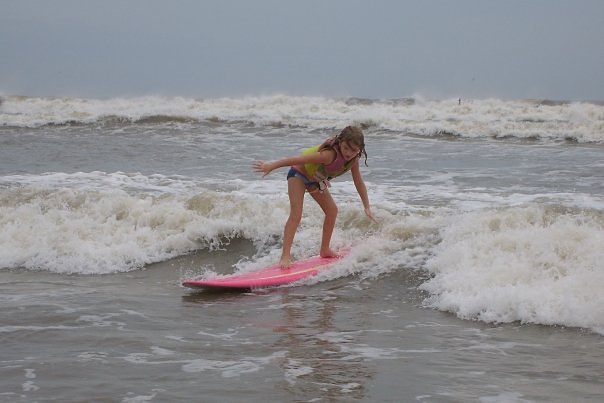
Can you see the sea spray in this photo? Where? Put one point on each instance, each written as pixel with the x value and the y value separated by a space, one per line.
pixel 534 264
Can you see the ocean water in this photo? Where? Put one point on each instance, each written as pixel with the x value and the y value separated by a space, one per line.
pixel 482 280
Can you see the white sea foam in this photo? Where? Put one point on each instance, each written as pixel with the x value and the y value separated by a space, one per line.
pixel 98 223
pixel 524 119
pixel 531 264
pixel 495 257
pixel 95 228
pixel 132 398
pixel 295 369
pixel 231 369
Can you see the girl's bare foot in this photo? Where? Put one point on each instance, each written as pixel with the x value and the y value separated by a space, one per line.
pixel 285 262
pixel 328 253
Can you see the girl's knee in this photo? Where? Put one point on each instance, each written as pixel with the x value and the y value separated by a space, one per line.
pixel 331 211
pixel 295 217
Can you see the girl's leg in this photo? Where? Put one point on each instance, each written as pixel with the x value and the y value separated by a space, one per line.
pixel 295 190
pixel 330 209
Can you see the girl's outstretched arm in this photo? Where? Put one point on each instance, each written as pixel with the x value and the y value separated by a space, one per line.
pixel 359 183
pixel 322 157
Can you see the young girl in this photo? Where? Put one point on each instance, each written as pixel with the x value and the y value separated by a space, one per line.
pixel 312 172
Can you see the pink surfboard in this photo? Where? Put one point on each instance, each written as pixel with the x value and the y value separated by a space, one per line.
pixel 271 276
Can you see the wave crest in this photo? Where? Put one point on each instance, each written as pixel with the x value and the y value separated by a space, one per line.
pixel 530 264
pixel 580 122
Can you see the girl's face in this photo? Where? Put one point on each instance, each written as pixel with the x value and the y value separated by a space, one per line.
pixel 349 150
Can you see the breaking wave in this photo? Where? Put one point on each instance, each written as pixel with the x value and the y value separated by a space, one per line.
pixel 546 120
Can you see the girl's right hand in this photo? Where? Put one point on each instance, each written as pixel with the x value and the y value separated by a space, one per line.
pixel 370 215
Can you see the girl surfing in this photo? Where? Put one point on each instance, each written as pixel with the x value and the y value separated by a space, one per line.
pixel 311 172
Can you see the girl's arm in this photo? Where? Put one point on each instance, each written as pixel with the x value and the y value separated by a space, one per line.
pixel 359 183
pixel 321 157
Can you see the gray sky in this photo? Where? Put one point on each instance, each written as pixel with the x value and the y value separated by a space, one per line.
pixel 378 49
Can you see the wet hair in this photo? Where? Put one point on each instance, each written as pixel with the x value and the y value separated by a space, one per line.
pixel 353 135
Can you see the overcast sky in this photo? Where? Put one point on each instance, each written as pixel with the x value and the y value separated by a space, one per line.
pixel 378 49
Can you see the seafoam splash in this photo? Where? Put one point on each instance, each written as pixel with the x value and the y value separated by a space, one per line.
pixel 99 223
pixel 78 224
pixel 507 258
pixel 487 118
pixel 530 264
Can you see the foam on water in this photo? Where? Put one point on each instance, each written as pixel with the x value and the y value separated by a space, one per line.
pixel 498 257
pixel 487 118
pixel 96 228
pixel 531 264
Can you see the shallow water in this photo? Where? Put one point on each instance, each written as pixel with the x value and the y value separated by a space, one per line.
pixel 139 336
pixel 482 281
